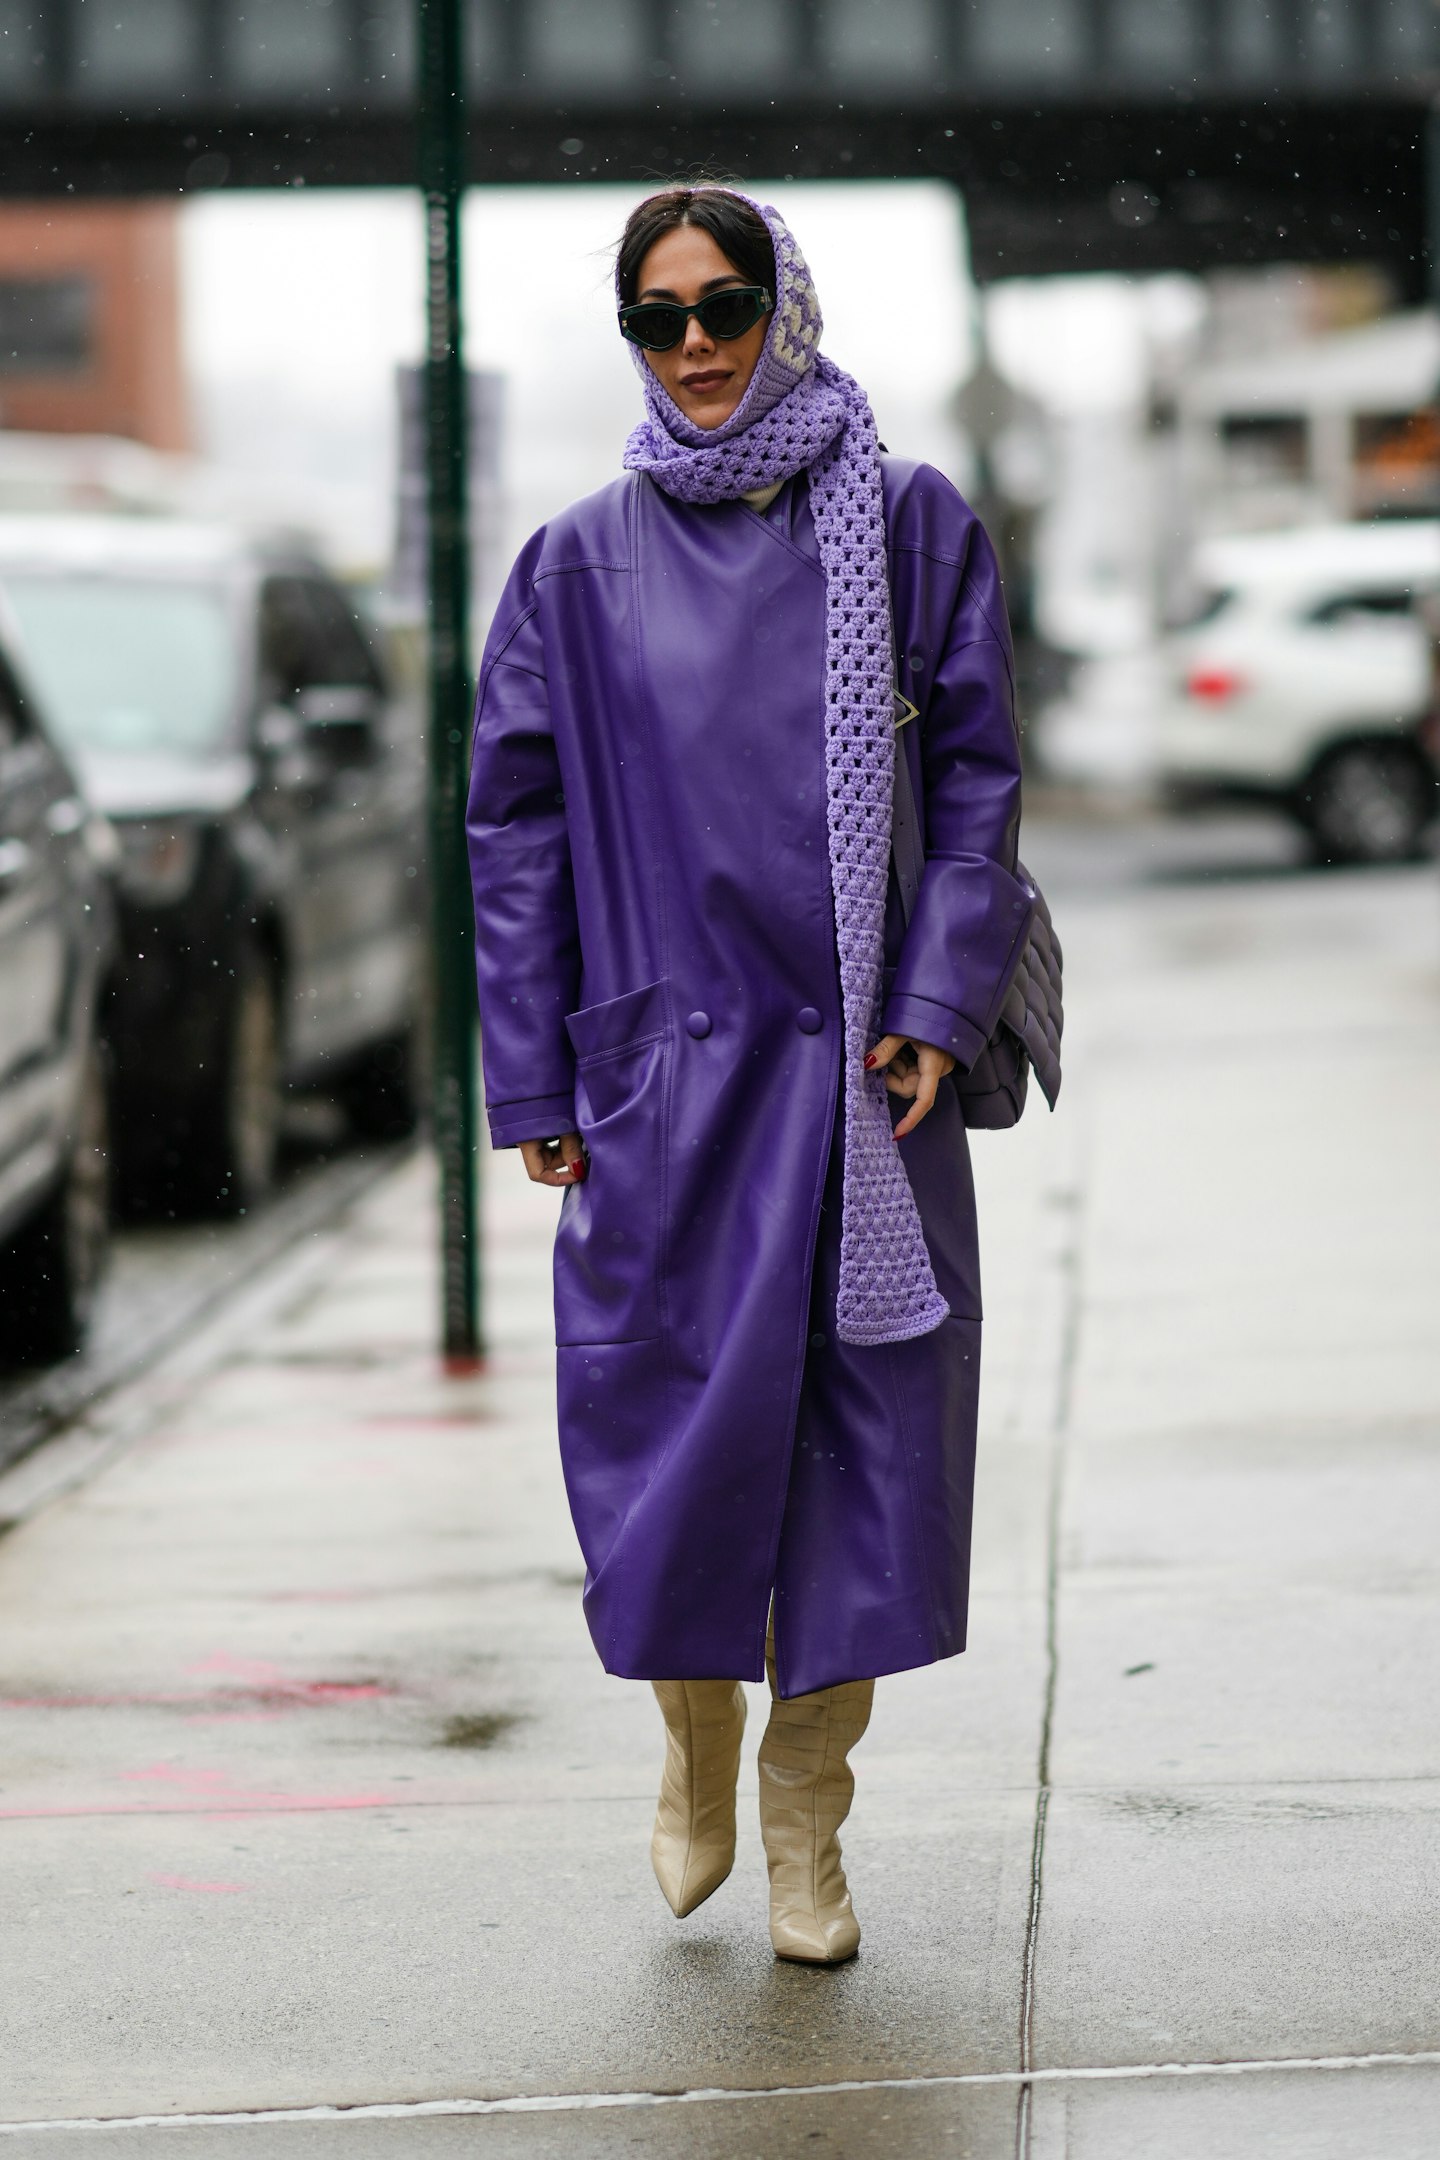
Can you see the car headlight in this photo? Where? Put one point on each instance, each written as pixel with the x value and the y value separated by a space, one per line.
pixel 157 860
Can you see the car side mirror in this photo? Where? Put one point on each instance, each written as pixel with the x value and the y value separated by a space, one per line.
pixel 340 719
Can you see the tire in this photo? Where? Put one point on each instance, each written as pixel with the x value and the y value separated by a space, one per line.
pixel 51 1275
pixel 381 1094
pixel 236 1120
pixel 1368 802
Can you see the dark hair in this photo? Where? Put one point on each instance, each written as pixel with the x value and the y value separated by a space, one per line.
pixel 735 226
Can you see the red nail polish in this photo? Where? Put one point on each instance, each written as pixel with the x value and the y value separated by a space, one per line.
pixel 577 1172
pixel 869 1061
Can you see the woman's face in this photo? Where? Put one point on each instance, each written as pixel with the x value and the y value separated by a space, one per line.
pixel 706 377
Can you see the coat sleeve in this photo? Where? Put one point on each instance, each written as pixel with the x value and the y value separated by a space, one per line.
pixel 972 915
pixel 527 947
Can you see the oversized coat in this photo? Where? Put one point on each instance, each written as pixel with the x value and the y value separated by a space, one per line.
pixel 657 970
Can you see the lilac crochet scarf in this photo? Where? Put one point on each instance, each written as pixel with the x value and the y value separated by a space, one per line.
pixel 802 413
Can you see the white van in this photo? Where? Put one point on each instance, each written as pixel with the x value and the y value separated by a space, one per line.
pixel 1304 677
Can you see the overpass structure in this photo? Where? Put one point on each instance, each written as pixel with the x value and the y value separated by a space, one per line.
pixel 1084 134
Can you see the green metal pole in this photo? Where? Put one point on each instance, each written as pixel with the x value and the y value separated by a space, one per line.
pixel 442 177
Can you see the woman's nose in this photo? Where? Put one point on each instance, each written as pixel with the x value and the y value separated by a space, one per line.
pixel 696 342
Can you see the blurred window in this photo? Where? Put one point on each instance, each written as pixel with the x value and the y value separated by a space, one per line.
pixel 1252 41
pixel 1331 43
pixel 292 50
pixel 880 46
pixel 587 44
pixel 1153 40
pixel 46 324
pixel 721 43
pixel 1378 600
pixel 1024 40
pixel 309 638
pixel 134 47
pixel 129 664
pixel 1262 447
pixel 22 50
pixel 484 40
pixel 384 50
pixel 1408 31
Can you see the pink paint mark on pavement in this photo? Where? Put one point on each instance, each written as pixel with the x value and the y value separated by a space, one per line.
pixel 264 1692
pixel 213 1792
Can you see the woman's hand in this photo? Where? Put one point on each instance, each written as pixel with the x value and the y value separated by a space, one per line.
pixel 555 1162
pixel 914 1069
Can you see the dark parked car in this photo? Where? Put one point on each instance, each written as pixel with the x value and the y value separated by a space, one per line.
pixel 56 946
pixel 232 718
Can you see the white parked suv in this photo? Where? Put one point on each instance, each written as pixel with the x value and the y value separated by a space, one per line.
pixel 1304 677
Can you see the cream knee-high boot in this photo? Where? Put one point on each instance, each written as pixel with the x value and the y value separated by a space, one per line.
pixel 806 1786
pixel 693 1848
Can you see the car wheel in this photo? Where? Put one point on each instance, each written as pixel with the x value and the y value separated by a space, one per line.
pixel 382 1093
pixel 1368 803
pixel 237 1120
pixel 49 1278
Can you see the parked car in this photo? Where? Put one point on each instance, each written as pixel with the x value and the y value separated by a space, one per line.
pixel 231 717
pixel 1303 679
pixel 56 949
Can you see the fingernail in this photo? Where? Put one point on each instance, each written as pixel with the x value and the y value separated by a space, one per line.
pixel 869 1061
pixel 577 1172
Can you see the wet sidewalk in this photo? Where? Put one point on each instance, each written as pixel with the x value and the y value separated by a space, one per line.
pixel 314 1798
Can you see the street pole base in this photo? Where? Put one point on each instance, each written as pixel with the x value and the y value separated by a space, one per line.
pixel 462 1364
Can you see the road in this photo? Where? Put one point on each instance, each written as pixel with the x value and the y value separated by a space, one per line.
pixel 324 1835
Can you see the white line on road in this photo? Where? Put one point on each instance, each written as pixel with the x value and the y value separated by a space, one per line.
pixel 576 2103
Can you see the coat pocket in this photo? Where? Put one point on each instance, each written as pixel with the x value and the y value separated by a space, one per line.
pixel 608 1243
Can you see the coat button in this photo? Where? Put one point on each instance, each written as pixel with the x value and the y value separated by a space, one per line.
pixel 809 1021
pixel 698 1025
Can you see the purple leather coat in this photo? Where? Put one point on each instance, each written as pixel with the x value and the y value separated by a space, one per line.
pixel 657 970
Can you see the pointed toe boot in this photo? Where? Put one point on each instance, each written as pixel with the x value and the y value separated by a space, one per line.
pixel 806 1786
pixel 693 1848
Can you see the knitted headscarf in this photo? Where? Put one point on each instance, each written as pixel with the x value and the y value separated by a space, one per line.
pixel 801 413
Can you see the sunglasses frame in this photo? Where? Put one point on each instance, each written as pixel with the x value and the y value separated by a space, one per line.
pixel 760 293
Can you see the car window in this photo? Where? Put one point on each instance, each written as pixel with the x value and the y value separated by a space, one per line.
pixel 133 665
pixel 346 654
pixel 13 721
pixel 1204 608
pixel 308 636
pixel 1375 600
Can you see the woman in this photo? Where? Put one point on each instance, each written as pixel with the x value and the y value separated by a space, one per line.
pixel 705 1018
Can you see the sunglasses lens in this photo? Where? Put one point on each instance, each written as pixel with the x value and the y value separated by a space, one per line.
pixel 656 327
pixel 729 314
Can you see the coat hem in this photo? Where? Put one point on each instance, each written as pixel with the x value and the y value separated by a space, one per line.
pixel 841 1677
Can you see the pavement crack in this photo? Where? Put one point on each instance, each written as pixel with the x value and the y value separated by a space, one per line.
pixel 1072 1209
pixel 567 2103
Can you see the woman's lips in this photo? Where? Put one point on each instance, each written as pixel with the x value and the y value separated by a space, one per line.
pixel 706 381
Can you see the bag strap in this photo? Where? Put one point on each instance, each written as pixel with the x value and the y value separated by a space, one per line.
pixel 905 843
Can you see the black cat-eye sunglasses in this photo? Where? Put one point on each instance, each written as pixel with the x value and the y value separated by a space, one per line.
pixel 659 325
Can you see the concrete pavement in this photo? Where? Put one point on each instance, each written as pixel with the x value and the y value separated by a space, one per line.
pixel 312 1795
